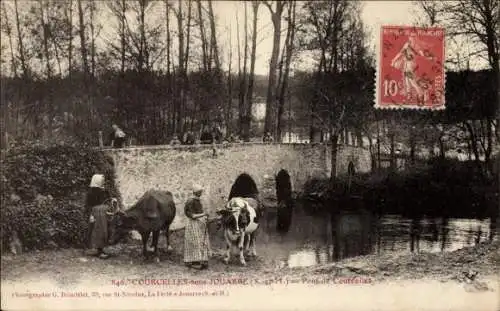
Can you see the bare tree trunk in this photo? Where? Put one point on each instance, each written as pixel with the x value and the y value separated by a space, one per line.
pixel 181 62
pixel 241 78
pixel 86 69
pixel 214 57
pixel 333 159
pixel 229 116
pixel 214 47
pixel 273 66
pixel 123 39
pixel 45 26
pixel 378 144
pixel 168 107
pixel 142 61
pixel 56 47
pixel 413 144
pixel 248 113
pixel 286 59
pixel 20 40
pixel 244 117
pixel 47 66
pixel 70 39
pixel 206 66
pixel 188 35
pixel 169 43
pixel 83 41
pixel 92 40
pixel 186 66
pixel 393 147
pixel 8 31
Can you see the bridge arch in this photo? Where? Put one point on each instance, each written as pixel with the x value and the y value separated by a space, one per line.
pixel 175 168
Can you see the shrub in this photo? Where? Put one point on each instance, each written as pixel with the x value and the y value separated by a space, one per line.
pixel 43 192
pixel 444 188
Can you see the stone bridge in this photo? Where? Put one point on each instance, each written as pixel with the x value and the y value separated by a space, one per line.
pixel 176 168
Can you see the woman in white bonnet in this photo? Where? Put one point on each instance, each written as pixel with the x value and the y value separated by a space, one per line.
pixel 196 239
pixel 95 212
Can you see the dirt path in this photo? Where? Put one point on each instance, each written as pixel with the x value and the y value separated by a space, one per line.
pixel 388 282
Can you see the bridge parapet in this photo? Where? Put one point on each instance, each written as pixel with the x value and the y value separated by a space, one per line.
pixel 176 168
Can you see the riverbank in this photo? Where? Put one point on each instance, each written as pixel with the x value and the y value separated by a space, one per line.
pixel 71 266
pixel 469 271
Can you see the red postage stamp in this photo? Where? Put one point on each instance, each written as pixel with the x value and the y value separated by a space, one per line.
pixel 410 68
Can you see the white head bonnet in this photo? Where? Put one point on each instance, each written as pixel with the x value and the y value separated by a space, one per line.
pixel 197 188
pixel 97 181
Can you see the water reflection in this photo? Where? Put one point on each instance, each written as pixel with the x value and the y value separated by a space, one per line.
pixel 320 239
pixel 310 257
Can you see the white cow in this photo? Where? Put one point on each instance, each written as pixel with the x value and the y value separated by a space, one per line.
pixel 240 220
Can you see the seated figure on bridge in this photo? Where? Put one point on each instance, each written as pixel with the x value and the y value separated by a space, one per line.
pixel 175 141
pixel 268 138
pixel 117 137
pixel 189 138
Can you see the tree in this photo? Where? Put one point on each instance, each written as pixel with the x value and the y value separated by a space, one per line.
pixel 69 18
pixel 83 42
pixel 334 91
pixel 244 117
pixel 476 20
pixel 119 9
pixel 20 45
pixel 214 49
pixel 284 67
pixel 276 15
pixel 7 27
pixel 251 76
pixel 229 105
pixel 217 71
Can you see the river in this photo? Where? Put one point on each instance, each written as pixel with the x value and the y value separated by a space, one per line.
pixel 314 240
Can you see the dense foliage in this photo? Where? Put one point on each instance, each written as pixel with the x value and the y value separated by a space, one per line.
pixel 43 193
pixel 443 188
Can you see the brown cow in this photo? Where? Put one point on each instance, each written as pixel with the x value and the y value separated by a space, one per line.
pixel 154 211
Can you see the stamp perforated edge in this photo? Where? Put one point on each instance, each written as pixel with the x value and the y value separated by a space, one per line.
pixel 378 65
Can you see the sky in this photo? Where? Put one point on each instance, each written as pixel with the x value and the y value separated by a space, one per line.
pixel 231 13
pixel 374 14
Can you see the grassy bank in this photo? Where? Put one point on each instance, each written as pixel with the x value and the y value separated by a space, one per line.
pixel 71 266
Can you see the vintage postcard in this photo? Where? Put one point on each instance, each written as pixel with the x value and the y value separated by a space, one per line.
pixel 411 68
pixel 228 155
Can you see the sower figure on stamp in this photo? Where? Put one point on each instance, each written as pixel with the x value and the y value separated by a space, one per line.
pixel 96 213
pixel 406 62
pixel 196 238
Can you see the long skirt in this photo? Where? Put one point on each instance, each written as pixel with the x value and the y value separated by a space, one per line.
pixel 99 235
pixel 196 241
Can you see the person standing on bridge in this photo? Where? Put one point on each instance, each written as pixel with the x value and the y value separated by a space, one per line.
pixel 196 238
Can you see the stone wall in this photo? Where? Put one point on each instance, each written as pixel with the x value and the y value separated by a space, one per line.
pixel 176 168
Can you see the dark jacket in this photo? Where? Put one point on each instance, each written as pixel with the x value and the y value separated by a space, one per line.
pixel 95 196
pixel 206 138
pixel 189 139
pixel 193 206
